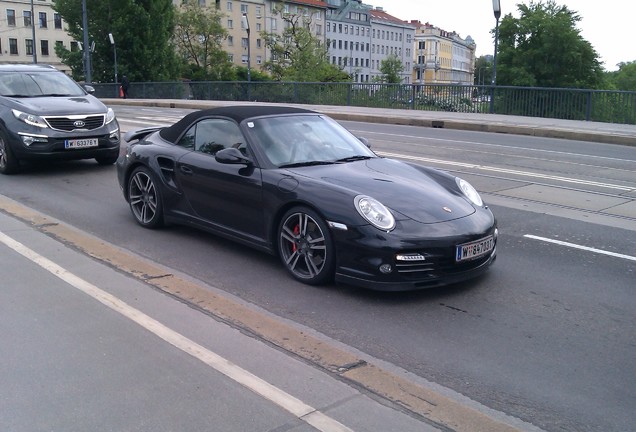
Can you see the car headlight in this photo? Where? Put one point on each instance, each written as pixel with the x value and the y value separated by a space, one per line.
pixel 469 191
pixel 110 115
pixel 30 119
pixel 375 212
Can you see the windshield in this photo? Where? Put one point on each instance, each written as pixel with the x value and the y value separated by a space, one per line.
pixel 299 140
pixel 38 84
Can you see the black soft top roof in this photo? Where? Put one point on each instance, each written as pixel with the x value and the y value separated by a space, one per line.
pixel 238 113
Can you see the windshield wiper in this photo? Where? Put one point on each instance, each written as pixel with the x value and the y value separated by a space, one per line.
pixel 308 163
pixel 354 158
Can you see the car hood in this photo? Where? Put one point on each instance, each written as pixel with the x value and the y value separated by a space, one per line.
pixel 58 105
pixel 422 194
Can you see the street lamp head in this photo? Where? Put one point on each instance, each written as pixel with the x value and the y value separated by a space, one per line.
pixel 496 7
pixel 245 22
pixel 111 38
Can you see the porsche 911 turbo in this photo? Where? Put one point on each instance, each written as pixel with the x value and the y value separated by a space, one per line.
pixel 295 183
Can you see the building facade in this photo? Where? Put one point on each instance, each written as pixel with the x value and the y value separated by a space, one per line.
pixel 442 57
pixel 18 26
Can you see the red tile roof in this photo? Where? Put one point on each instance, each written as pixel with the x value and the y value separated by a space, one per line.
pixel 383 16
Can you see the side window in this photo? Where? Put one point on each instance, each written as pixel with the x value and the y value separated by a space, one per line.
pixel 187 140
pixel 213 135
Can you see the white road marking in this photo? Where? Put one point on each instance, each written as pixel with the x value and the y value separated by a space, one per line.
pixel 259 386
pixel 509 171
pixel 585 248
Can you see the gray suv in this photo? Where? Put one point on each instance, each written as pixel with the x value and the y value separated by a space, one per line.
pixel 44 114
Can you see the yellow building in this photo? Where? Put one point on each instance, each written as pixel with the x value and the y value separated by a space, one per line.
pixel 441 57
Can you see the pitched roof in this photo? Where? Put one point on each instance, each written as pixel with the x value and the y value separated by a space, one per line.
pixel 380 15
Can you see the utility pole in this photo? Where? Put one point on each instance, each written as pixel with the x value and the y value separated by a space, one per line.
pixel 35 55
pixel 87 48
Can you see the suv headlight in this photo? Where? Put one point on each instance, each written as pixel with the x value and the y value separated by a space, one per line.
pixel 30 119
pixel 469 191
pixel 110 115
pixel 375 212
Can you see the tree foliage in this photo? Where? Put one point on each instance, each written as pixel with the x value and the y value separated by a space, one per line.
pixel 391 68
pixel 544 48
pixel 198 39
pixel 142 30
pixel 625 77
pixel 483 70
pixel 298 55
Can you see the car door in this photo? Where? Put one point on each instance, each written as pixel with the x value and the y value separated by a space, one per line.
pixel 227 196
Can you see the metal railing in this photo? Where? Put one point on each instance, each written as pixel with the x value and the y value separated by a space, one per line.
pixel 572 104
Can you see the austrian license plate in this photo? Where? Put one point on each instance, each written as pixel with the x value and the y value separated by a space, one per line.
pixel 81 143
pixel 474 249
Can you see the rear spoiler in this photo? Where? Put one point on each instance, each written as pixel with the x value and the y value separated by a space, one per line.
pixel 140 133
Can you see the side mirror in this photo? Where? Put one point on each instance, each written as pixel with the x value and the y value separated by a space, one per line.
pixel 90 89
pixel 364 141
pixel 232 155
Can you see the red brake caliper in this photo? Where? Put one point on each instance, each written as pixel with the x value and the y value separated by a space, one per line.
pixel 296 232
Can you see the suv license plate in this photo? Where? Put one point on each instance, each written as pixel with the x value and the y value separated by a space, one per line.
pixel 474 249
pixel 81 143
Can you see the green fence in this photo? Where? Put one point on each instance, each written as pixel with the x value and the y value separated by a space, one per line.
pixel 571 104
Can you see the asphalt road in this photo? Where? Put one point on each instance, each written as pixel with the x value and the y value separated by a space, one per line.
pixel 547 335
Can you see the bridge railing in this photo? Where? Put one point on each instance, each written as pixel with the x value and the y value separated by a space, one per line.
pixel 561 103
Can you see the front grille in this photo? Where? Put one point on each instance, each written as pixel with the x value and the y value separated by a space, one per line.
pixel 69 124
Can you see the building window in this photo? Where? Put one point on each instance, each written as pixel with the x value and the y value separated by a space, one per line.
pixel 44 47
pixel 57 19
pixel 29 46
pixel 259 59
pixel 259 43
pixel 229 6
pixel 259 27
pixel 13 46
pixel 244 8
pixel 11 17
pixel 230 40
pixel 59 43
pixel 244 59
pixel 74 46
pixel 230 24
pixel 43 23
pixel 27 18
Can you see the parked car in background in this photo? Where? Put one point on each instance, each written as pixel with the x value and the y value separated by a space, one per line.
pixel 44 114
pixel 295 183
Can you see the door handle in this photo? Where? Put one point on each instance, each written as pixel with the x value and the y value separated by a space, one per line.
pixel 186 170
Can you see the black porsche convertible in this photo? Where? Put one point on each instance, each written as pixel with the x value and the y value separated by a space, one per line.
pixel 295 183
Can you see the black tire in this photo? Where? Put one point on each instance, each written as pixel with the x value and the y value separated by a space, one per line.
pixel 144 198
pixel 305 246
pixel 107 160
pixel 9 164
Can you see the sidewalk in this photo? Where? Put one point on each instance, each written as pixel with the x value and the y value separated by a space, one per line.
pixel 609 133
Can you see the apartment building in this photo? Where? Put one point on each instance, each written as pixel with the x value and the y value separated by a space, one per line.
pixel 30 35
pixel 391 35
pixel 349 38
pixel 442 57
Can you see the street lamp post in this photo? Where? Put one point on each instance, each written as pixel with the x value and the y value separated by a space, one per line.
pixel 246 25
pixel 112 42
pixel 35 56
pixel 87 51
pixel 496 7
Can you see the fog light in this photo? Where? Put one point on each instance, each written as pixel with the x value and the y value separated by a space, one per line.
pixel 30 139
pixel 496 233
pixel 386 268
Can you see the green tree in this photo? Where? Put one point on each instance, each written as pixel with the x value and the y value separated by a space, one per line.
pixel 625 77
pixel 198 39
pixel 543 48
pixel 391 68
pixel 483 70
pixel 297 55
pixel 142 30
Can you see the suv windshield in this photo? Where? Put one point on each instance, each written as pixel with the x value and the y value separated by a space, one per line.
pixel 37 84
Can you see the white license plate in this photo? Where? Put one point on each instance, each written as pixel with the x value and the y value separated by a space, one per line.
pixel 81 143
pixel 475 249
